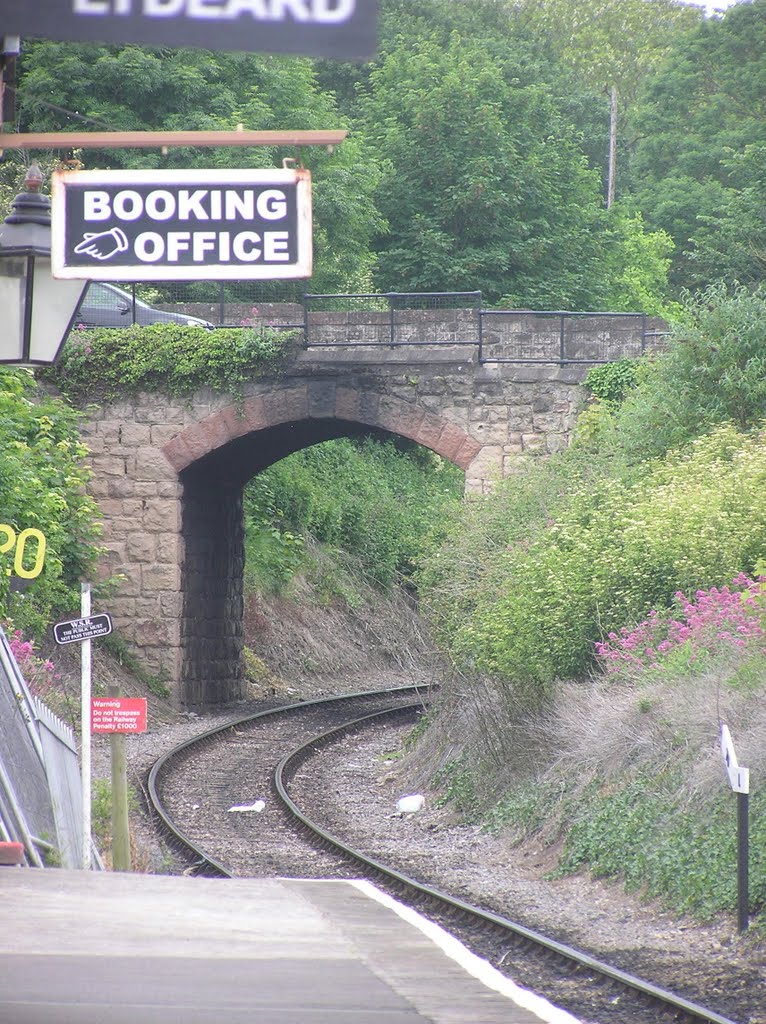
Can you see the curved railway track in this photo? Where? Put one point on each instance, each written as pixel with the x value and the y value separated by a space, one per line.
pixel 222 753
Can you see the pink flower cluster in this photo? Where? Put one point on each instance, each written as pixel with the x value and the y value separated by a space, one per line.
pixel 38 673
pixel 711 619
pixel 250 321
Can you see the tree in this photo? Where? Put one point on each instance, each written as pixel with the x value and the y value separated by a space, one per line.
pixel 139 88
pixel 614 44
pixel 697 170
pixel 485 186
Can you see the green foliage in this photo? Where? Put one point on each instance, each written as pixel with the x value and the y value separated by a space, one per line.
pixel 712 372
pixel 456 780
pixel 612 381
pixel 614 550
pixel 173 359
pixel 369 498
pixel 140 88
pixel 42 482
pixel 272 556
pixel 699 115
pixel 635 264
pixel 485 186
pixel 611 42
pixel 685 856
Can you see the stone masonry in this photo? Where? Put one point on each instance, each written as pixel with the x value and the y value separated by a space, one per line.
pixel 168 476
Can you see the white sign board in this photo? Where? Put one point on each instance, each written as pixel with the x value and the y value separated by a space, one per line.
pixel 182 225
pixel 739 778
pixel 316 28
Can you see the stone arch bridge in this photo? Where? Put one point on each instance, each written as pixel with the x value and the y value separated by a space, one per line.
pixel 168 474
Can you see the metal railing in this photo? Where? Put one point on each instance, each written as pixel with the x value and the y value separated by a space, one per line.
pixel 392 319
pixel 557 336
pixel 395 319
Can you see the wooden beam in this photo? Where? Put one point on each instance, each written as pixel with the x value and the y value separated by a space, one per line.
pixel 163 140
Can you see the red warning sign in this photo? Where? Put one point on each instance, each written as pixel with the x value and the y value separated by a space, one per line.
pixel 118 714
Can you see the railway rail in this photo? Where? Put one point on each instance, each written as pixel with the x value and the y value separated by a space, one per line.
pixel 337 718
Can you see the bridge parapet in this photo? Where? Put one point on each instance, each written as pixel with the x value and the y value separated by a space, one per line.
pixel 458 319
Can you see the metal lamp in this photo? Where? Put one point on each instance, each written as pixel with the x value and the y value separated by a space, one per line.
pixel 36 311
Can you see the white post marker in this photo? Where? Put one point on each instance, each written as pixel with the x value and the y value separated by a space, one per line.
pixel 739 778
pixel 85 681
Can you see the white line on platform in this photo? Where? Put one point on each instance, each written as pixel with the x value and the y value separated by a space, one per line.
pixel 480 969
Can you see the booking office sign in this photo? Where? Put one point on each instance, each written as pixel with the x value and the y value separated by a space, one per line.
pixel 182 225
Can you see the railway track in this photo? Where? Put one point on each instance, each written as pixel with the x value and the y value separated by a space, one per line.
pixel 205 773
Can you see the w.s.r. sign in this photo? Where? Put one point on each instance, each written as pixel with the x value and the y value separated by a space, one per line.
pixel 181 225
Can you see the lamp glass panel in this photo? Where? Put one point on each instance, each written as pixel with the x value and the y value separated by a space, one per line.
pixel 12 287
pixel 53 307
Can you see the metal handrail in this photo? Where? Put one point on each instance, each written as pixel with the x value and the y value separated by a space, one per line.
pixel 386 329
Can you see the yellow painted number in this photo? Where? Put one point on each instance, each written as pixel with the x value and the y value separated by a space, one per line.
pixel 21 543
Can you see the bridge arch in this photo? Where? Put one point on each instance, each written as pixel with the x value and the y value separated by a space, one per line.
pixel 215 458
pixel 168 475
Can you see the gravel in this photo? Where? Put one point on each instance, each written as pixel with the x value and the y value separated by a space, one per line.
pixel 352 788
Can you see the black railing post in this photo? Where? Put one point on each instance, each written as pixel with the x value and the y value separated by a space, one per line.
pixel 743 858
pixel 643 334
pixel 221 304
pixel 481 333
pixel 392 323
pixel 133 302
pixel 562 339
pixel 305 320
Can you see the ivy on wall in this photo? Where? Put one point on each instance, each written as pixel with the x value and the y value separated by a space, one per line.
pixel 105 364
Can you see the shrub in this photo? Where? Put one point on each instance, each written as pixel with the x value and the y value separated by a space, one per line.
pixel 374 499
pixel 612 381
pixel 609 552
pixel 173 359
pixel 711 620
pixel 714 371
pixel 42 486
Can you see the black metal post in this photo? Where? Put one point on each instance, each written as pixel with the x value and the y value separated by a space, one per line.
pixel 305 320
pixel 562 339
pixel 133 300
pixel 221 304
pixel 743 859
pixel 643 334
pixel 392 324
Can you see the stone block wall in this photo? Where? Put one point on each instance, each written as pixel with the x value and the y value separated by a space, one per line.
pixel 168 477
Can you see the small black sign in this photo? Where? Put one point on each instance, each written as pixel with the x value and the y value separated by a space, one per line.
pixel 182 225
pixel 315 28
pixel 76 630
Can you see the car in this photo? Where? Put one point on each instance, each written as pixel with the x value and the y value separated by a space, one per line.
pixel 106 305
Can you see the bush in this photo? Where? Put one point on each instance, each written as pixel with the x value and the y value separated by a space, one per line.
pixel 714 371
pixel 612 381
pixel 42 483
pixel 376 500
pixel 608 552
pixel 172 359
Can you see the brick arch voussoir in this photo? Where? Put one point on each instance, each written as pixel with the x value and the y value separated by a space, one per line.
pixel 407 420
pixel 281 405
pixel 321 399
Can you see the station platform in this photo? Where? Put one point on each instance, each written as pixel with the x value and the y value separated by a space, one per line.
pixel 91 947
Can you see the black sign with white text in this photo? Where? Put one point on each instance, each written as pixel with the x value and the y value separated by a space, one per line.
pixel 181 225
pixel 316 28
pixel 76 630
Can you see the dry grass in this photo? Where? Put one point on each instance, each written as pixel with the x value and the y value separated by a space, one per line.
pixel 603 730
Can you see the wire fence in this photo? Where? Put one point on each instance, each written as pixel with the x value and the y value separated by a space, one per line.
pixel 380 319
pixel 392 319
pixel 554 336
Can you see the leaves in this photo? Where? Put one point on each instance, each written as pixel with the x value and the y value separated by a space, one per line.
pixel 170 358
pixel 42 485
